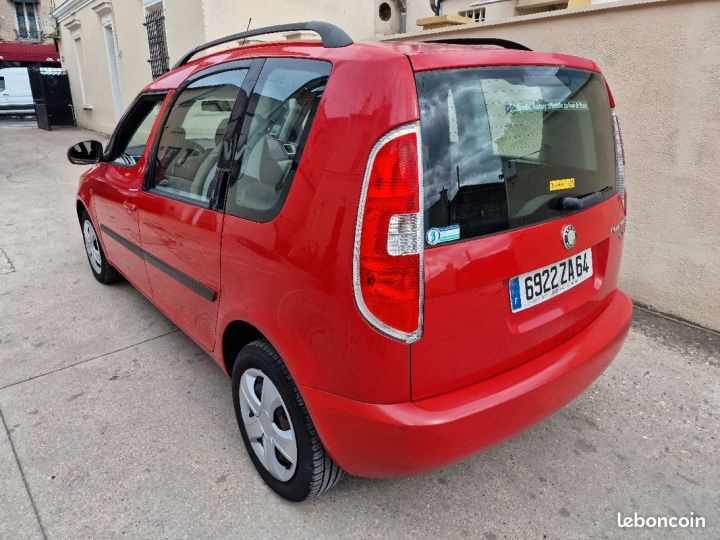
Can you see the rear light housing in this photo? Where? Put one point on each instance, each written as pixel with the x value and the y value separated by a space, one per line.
pixel 619 160
pixel 389 243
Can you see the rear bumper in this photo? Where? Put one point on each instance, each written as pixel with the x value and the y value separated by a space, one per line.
pixel 400 439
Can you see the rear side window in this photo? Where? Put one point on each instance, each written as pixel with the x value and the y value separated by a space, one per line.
pixel 2 84
pixel 280 113
pixel 504 147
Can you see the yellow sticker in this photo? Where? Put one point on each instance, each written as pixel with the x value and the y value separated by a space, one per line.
pixel 562 183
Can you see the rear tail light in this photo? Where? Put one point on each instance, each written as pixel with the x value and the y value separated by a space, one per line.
pixel 619 160
pixel 388 256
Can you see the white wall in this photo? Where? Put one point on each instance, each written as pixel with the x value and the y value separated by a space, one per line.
pixel 188 23
pixel 224 17
pixel 418 9
pixel 662 60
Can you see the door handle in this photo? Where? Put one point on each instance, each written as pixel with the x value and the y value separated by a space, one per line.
pixel 130 207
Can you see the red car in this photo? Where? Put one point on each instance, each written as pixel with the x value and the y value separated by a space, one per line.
pixel 402 253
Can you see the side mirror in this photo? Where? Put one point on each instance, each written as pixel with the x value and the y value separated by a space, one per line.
pixel 85 153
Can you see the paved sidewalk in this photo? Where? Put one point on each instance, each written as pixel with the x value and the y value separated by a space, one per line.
pixel 115 425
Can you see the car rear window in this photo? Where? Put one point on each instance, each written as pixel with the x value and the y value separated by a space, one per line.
pixel 510 147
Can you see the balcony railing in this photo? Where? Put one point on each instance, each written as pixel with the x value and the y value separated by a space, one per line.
pixel 532 4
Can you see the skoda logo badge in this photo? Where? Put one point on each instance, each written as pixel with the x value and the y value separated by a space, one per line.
pixel 569 236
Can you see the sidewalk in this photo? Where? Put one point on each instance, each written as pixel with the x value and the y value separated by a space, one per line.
pixel 115 424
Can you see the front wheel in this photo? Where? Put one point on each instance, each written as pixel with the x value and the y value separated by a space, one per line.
pixel 101 268
pixel 275 425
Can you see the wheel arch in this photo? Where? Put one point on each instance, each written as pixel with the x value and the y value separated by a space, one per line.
pixel 236 335
pixel 80 208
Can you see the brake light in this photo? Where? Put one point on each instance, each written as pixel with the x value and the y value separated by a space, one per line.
pixel 388 256
pixel 619 160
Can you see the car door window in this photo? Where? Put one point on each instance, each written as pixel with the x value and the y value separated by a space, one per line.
pixel 191 140
pixel 280 113
pixel 131 137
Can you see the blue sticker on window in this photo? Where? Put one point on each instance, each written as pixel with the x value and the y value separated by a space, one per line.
pixel 438 235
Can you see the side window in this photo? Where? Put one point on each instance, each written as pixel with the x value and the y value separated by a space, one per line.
pixel 191 140
pixel 2 84
pixel 279 117
pixel 132 136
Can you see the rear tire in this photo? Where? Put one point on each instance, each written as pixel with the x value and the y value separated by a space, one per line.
pixel 101 268
pixel 267 400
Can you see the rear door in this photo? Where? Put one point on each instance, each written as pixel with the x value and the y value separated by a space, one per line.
pixel 180 219
pixel 520 199
pixel 4 90
pixel 22 91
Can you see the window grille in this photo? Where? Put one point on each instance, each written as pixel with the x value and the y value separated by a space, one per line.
pixel 26 21
pixel 157 42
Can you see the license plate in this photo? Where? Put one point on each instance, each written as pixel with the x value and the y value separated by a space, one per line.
pixel 544 283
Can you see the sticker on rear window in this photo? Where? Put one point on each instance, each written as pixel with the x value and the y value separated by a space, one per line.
pixel 437 235
pixel 562 183
pixel 545 106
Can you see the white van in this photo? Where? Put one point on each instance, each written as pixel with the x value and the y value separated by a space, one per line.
pixel 15 94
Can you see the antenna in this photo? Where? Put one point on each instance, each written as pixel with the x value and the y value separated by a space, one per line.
pixel 247 30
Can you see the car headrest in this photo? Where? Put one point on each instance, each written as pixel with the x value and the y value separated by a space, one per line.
pixel 220 131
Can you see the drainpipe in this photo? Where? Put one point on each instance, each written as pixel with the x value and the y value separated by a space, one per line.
pixel 402 4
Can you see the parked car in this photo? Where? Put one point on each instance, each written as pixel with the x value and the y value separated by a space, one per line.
pixel 15 94
pixel 402 253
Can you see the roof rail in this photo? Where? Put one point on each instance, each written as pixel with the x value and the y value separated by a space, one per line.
pixel 332 36
pixel 504 43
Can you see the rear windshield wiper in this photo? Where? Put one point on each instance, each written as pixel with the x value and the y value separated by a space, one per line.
pixel 578 203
